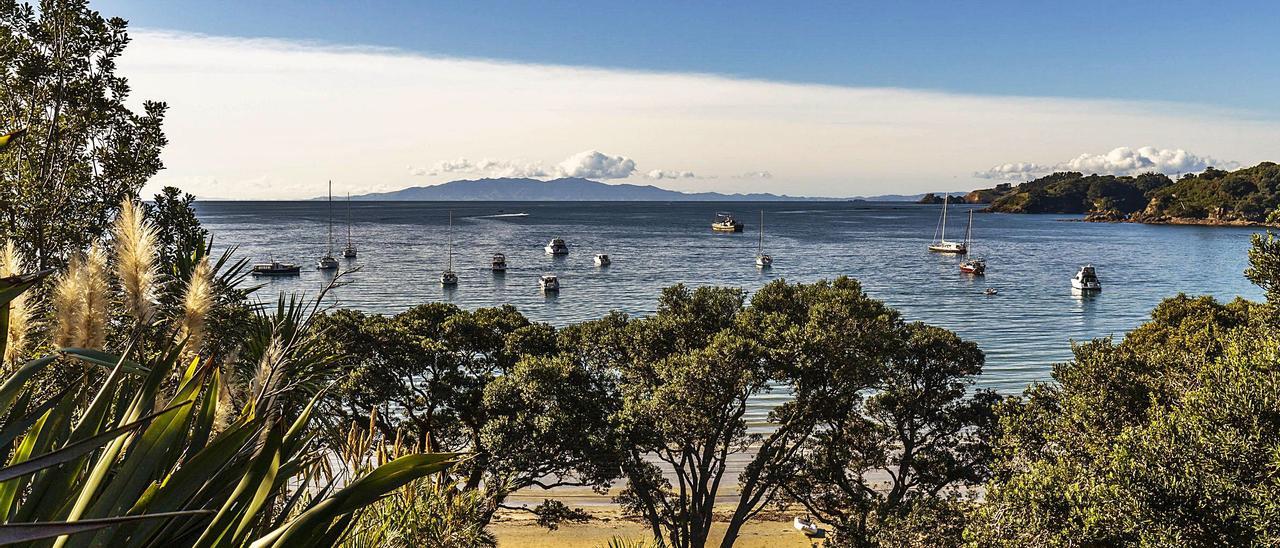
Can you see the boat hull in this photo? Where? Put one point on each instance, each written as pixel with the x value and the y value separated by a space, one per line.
pixel 726 228
pixel 955 249
pixel 1086 286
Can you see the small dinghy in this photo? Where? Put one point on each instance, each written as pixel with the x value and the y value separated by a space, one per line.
pixel 808 527
pixel 991 291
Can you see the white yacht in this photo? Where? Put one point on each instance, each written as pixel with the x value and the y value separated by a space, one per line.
pixel 556 247
pixel 976 266
pixel 941 245
pixel 549 283
pixel 603 260
pixel 449 278
pixel 763 260
pixel 499 263
pixel 1086 279
pixel 327 262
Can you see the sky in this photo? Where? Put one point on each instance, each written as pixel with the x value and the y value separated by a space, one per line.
pixel 270 99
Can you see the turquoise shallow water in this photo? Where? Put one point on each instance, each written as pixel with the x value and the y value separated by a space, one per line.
pixel 1023 330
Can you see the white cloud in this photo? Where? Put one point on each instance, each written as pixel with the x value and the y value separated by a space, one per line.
pixel 756 175
pixel 1120 161
pixel 667 174
pixel 276 119
pixel 593 164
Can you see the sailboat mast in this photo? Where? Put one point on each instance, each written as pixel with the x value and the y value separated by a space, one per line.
pixel 761 252
pixel 968 232
pixel 329 252
pixel 348 219
pixel 451 240
pixel 945 197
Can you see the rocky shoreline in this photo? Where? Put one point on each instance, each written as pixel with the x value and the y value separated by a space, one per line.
pixel 1116 217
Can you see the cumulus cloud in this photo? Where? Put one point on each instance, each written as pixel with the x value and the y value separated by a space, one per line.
pixel 755 175
pixel 1120 161
pixel 593 164
pixel 590 164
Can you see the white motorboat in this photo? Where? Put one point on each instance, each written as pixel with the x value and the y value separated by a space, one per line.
pixel 449 278
pixel 499 263
pixel 556 247
pixel 549 283
pixel 603 260
pixel 327 262
pixel 763 260
pixel 725 222
pixel 1086 279
pixel 941 245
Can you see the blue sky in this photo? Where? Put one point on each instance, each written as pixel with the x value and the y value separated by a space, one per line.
pixel 1224 54
pixel 838 99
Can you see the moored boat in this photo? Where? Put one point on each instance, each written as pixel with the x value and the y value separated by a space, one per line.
pixel 941 245
pixel 556 247
pixel 327 262
pixel 499 263
pixel 763 260
pixel 449 278
pixel 1086 279
pixel 276 268
pixel 349 251
pixel 549 283
pixel 603 260
pixel 726 223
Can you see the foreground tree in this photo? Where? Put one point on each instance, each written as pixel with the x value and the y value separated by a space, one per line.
pixel 84 151
pixel 1168 438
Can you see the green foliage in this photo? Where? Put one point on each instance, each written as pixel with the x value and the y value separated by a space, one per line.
pixel 96 452
pixel 180 229
pixel 1264 265
pixel 1074 192
pixel 1164 439
pixel 1249 194
pixel 84 150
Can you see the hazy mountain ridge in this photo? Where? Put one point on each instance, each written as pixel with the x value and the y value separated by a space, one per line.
pixel 565 189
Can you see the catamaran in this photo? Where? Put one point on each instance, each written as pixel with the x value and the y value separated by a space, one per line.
pixel 449 278
pixel 349 251
pixel 762 260
pixel 327 262
pixel 941 245
pixel 976 266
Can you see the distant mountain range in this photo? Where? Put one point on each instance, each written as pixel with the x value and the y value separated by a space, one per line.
pixel 577 189
pixel 567 189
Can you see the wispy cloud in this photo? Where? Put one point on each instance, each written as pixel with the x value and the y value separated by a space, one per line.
pixel 276 119
pixel 1119 161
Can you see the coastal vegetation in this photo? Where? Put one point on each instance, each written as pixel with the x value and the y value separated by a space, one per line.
pixel 1247 196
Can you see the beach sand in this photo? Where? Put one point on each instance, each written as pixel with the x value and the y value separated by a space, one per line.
pixel 517 529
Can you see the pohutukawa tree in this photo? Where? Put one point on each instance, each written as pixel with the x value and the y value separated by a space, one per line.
pixel 84 151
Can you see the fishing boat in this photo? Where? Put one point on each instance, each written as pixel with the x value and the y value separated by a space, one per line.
pixel 1086 279
pixel 349 251
pixel 449 278
pixel 941 245
pixel 276 268
pixel 976 266
pixel 499 263
pixel 762 260
pixel 327 262
pixel 556 247
pixel 726 223
pixel 549 283
pixel 603 260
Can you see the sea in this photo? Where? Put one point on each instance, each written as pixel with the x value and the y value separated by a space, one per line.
pixel 1023 330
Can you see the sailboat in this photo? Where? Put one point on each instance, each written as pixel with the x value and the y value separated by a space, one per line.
pixel 941 245
pixel 449 278
pixel 762 260
pixel 977 266
pixel 349 251
pixel 327 262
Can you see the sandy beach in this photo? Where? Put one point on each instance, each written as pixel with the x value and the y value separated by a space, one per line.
pixel 518 529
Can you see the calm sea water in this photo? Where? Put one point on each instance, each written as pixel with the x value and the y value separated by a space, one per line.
pixel 1031 258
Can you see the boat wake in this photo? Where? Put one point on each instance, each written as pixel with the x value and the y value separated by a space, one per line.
pixel 502 215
